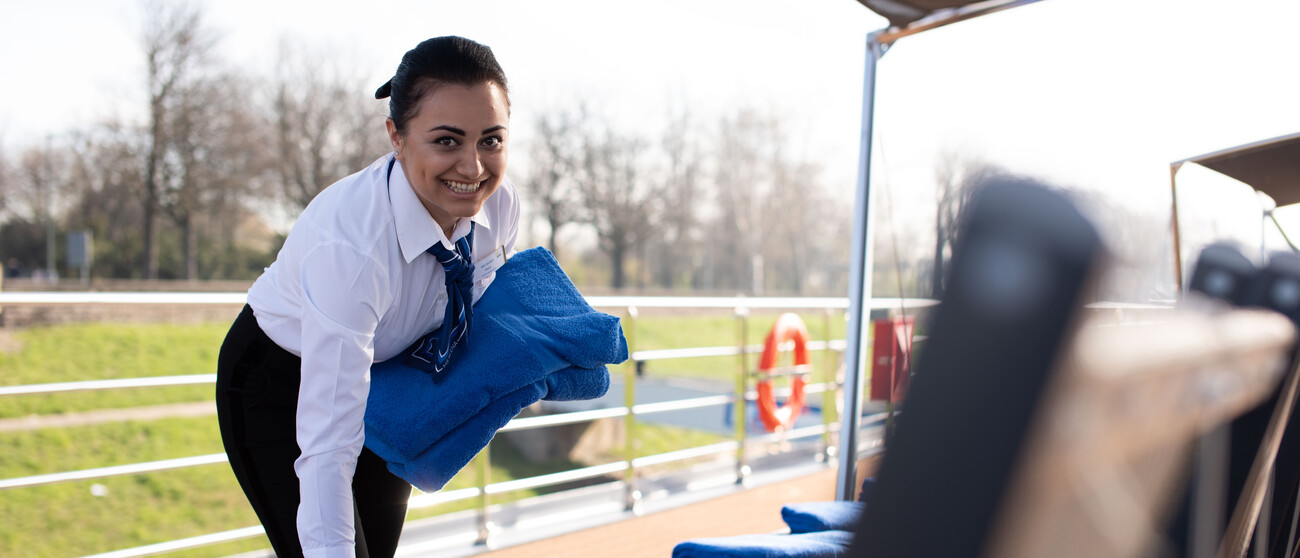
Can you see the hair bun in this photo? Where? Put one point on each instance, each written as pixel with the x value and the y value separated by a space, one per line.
pixel 439 60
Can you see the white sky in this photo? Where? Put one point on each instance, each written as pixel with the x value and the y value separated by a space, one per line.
pixel 630 60
pixel 1094 94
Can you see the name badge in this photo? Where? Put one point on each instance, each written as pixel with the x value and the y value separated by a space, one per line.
pixel 488 264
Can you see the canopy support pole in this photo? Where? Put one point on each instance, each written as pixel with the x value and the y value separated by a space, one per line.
pixel 856 353
pixel 1173 225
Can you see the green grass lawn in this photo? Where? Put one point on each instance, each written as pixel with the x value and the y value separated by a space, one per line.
pixel 708 330
pixel 72 353
pixel 143 509
pixel 720 330
pixel 68 520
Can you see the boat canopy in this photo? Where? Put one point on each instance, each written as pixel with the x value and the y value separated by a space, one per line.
pixel 900 13
pixel 1271 166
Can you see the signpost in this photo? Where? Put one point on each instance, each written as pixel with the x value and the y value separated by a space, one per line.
pixel 81 252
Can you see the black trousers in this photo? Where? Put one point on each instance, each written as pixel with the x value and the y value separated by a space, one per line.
pixel 257 401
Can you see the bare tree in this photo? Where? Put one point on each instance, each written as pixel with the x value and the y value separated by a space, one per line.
pixel 42 180
pixel 776 226
pixel 176 45
pixel 793 209
pixel 767 219
pixel 215 154
pixel 956 176
pixel 39 179
pixel 326 127
pixel 6 178
pixel 556 160
pixel 106 174
pixel 743 180
pixel 214 161
pixel 674 250
pixel 618 195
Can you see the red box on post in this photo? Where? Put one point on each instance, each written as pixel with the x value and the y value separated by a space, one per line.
pixel 891 358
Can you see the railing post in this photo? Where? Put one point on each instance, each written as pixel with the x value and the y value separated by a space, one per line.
pixel 742 385
pixel 484 463
pixel 830 396
pixel 632 495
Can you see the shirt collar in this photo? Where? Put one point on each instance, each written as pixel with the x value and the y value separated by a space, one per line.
pixel 416 229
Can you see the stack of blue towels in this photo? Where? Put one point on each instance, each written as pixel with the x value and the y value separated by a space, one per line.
pixel 534 337
pixel 817 530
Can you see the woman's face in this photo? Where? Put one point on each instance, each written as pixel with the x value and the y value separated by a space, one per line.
pixel 454 149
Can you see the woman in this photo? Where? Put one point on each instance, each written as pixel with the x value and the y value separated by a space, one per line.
pixel 358 282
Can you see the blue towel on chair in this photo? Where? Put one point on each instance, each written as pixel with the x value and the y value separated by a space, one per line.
pixel 826 544
pixel 534 337
pixel 811 517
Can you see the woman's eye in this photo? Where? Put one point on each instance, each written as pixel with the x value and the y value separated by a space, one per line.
pixel 492 142
pixel 446 141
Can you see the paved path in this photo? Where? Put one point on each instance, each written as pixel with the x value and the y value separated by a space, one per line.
pixel 67 420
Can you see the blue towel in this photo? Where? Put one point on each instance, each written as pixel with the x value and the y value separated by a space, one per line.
pixel 534 337
pixel 435 466
pixel 826 544
pixel 811 517
pixel 536 298
pixel 576 384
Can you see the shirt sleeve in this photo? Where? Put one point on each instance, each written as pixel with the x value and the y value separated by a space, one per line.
pixel 344 294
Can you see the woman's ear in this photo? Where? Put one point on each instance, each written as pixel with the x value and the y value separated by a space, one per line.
pixel 394 137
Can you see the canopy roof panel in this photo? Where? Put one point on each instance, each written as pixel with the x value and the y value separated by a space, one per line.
pixel 1271 166
pixel 902 12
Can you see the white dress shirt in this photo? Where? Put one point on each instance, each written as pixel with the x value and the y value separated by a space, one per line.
pixel 353 285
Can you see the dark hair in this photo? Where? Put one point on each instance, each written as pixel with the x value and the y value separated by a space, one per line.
pixel 437 61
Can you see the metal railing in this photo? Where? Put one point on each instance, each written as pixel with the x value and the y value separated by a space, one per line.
pixel 630 413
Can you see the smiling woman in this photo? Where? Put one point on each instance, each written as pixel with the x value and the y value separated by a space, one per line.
pixel 444 90
pixel 452 168
pixel 360 280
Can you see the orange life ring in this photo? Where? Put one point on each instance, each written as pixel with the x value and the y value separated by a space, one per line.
pixel 788 327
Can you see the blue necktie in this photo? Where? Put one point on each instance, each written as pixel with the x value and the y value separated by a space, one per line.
pixel 433 352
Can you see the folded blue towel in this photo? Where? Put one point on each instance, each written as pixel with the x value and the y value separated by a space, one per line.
pixel 811 517
pixel 826 544
pixel 576 384
pixel 434 467
pixel 407 412
pixel 534 296
pixel 534 337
